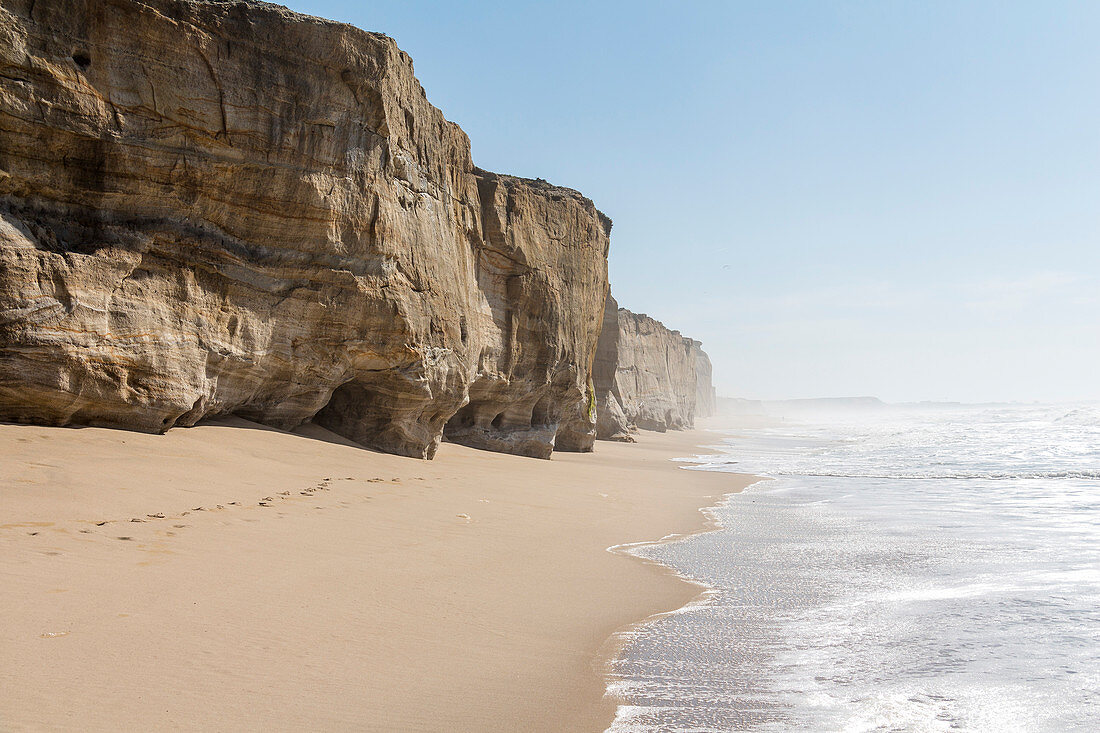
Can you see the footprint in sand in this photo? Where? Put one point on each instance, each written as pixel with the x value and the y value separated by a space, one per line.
pixel 284 493
pixel 158 515
pixel 264 503
pixel 234 503
pixel 100 524
pixel 135 519
pixel 375 480
pixel 32 534
pixel 198 509
pixel 180 526
pixel 395 480
pixel 124 538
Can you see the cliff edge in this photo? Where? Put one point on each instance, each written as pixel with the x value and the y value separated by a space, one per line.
pixel 216 207
pixel 647 376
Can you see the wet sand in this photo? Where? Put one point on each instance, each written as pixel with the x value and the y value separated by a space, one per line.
pixel 279 581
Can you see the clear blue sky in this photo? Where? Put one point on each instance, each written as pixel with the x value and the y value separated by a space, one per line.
pixel 838 198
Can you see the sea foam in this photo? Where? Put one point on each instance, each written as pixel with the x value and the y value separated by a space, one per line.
pixel 927 570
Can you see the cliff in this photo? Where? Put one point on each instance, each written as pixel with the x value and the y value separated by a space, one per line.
pixel 542 274
pixel 706 399
pixel 611 422
pixel 226 207
pixel 647 376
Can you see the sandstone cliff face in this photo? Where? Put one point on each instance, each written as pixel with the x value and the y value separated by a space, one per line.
pixel 647 376
pixel 541 266
pixel 706 400
pixel 611 422
pixel 215 207
pixel 655 374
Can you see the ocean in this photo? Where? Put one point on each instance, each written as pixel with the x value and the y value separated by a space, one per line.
pixel 919 569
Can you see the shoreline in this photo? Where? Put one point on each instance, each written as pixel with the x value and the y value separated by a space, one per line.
pixel 613 647
pixel 367 590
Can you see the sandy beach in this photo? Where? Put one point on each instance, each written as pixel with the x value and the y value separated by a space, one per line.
pixel 283 581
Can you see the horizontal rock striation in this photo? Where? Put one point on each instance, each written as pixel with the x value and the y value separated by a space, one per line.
pixel 226 207
pixel 647 376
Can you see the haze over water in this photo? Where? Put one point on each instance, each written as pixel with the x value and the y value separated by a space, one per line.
pixel 917 570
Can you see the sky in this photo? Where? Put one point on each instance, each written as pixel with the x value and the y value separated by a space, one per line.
pixel 899 199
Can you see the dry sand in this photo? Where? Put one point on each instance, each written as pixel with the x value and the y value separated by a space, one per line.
pixel 373 592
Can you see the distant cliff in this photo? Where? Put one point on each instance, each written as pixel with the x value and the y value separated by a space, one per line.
pixel 706 399
pixel 227 207
pixel 647 376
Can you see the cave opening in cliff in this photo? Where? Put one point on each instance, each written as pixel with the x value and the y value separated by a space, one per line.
pixel 352 412
pixel 82 59
pixel 464 418
pixel 540 413
pixel 468 417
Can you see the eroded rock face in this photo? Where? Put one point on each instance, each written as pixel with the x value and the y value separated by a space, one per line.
pixel 646 375
pixel 611 422
pixel 655 374
pixel 215 207
pixel 542 260
pixel 706 400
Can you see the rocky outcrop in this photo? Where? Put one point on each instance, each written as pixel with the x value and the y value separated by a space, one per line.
pixel 611 422
pixel 226 207
pixel 541 266
pixel 655 374
pixel 706 399
pixel 647 376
